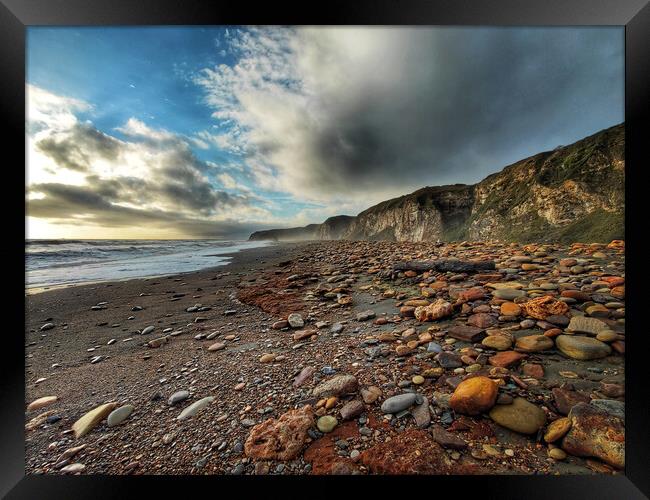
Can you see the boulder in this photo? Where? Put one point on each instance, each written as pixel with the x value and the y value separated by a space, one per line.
pixel 519 416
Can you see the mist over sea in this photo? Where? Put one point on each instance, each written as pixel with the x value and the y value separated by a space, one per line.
pixel 60 262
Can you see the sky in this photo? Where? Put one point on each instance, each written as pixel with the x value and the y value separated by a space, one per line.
pixel 214 132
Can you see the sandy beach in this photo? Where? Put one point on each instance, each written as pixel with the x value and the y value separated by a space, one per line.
pixel 222 333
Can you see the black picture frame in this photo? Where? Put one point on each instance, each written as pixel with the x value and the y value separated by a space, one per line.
pixel 16 15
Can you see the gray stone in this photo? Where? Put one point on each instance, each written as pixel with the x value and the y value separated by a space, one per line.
pixel 295 320
pixel 177 397
pixel 119 415
pixel 193 409
pixel 148 329
pixel 340 384
pixel 421 413
pixel 611 406
pixel 398 403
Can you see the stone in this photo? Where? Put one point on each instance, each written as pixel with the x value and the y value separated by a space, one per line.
pixel 508 293
pixel 305 375
pixel 398 403
pixel 326 423
pixel 281 439
pixel 595 433
pixel 418 380
pixel 178 397
pixel 520 416
pixel 607 336
pixel 481 320
pixel 47 326
pixel 474 396
pixel 155 343
pixel 438 310
pixel 615 408
pixel 336 386
pixel 116 417
pixel 565 400
pixel 217 346
pixel 148 329
pixel 41 402
pixel 557 454
pixel 510 309
pixel 583 324
pixel 506 359
pixel 370 394
pixel 471 294
pixel 267 358
pixel 195 407
pixel 542 307
pixel 421 414
pixel 447 439
pixel 557 429
pixel 91 419
pixel 498 342
pixel 295 320
pixel 303 334
pixel 467 333
pixel 533 370
pixel 73 468
pixel 279 325
pixel 366 315
pixel 351 409
pixel 534 343
pixel 583 348
pixel 449 360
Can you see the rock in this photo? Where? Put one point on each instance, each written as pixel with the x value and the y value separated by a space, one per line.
pixel 267 358
pixel 542 307
pixel 421 413
pixel 506 359
pixel 371 394
pixel 583 324
pixel 607 336
pixel 481 320
pixel 583 348
pixel 148 329
pixel 40 420
pixel 91 419
pixel 155 343
pixel 279 325
pixel 303 334
pixel 351 409
pixel 533 370
pixel 336 386
pixel 280 439
pixel 116 417
pixel 418 380
pixel 595 433
pixel 449 360
pixel 178 397
pixel 217 346
pixel 615 408
pixel 47 326
pixel 295 320
pixel 520 416
pixel 439 309
pixel 565 399
pixel 303 376
pixel 557 429
pixel 447 439
pixel 534 343
pixel 508 293
pixel 41 402
pixel 194 408
pixel 366 315
pixel 474 396
pixel 398 403
pixel 498 342
pixel 510 309
pixel 336 328
pixel 467 333
pixel 73 468
pixel 326 423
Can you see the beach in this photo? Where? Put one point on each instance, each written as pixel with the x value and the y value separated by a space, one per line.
pixel 372 332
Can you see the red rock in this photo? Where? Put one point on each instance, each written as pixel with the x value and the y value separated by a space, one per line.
pixel 280 439
pixel 576 294
pixel 407 311
pixel 505 359
pixel 482 320
pixel 510 309
pixel 618 346
pixel 466 333
pixel 565 399
pixel 533 370
pixel 471 294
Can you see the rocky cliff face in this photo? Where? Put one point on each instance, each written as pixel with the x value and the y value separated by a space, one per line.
pixel 574 193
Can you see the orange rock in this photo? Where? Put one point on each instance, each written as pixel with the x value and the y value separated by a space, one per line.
pixel 506 359
pixel 543 307
pixel 474 396
pixel 439 309
pixel 407 311
pixel 470 294
pixel 510 309
pixel 618 292
pixel 410 274
pixel 576 294
pixel 280 439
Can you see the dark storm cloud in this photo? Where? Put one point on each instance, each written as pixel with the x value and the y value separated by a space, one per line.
pixel 467 102
pixel 76 147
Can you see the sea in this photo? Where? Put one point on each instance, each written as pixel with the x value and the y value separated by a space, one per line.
pixel 53 263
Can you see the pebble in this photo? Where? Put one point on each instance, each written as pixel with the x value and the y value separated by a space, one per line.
pixel 326 423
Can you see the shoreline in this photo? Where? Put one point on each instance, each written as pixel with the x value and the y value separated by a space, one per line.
pixel 230 256
pixel 95 354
